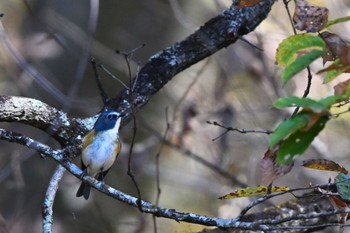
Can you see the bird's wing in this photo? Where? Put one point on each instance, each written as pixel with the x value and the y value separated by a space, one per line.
pixel 88 139
pixel 117 150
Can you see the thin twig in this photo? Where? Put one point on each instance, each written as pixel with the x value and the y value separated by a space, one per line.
pixel 272 195
pixel 127 57
pixel 159 190
pixel 158 155
pixel 309 74
pixel 286 2
pixel 249 43
pixel 102 67
pixel 197 158
pixel 194 81
pixel 229 128
pixel 103 93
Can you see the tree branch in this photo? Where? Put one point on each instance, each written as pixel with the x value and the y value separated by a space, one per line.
pixel 50 195
pixel 42 116
pixel 214 35
pixel 248 222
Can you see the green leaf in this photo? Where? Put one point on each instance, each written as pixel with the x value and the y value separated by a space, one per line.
pixel 299 64
pixel 330 100
pixel 299 141
pixel 347 95
pixel 294 101
pixel 336 21
pixel 307 103
pixel 343 186
pixel 288 127
pixel 297 52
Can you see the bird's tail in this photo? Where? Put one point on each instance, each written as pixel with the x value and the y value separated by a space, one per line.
pixel 84 190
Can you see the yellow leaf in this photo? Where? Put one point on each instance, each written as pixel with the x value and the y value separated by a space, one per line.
pixel 253 191
pixel 324 164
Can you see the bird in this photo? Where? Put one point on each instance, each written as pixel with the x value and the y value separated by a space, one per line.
pixel 100 148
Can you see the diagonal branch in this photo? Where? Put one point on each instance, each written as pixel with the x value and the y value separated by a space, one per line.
pixel 217 33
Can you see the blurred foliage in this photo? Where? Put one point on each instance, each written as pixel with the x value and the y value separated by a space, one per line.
pixel 235 87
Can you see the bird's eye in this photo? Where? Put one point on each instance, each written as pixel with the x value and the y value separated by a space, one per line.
pixel 111 116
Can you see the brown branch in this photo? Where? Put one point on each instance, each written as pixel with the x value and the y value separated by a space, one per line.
pixel 217 33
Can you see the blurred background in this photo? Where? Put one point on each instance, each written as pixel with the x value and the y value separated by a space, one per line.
pixel 45 54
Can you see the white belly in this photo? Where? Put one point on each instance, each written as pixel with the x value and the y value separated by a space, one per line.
pixel 99 156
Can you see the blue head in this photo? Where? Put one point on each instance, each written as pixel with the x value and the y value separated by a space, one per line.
pixel 107 120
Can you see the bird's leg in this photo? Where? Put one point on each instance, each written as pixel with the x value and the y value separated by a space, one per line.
pixel 101 175
pixel 84 173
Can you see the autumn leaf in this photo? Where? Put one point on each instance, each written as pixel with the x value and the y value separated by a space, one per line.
pixel 342 88
pixel 324 164
pixel 337 51
pixel 270 169
pixel 253 191
pixel 308 17
pixel 341 205
pixel 334 45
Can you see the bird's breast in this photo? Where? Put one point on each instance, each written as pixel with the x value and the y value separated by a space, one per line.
pixel 99 155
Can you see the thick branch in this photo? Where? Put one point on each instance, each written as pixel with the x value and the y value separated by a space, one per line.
pixel 216 34
pixel 42 116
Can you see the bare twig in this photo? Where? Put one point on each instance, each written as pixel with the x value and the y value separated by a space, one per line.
pixel 229 128
pixel 103 93
pixel 128 56
pixel 183 97
pixel 272 195
pixel 102 67
pixel 159 190
pixel 251 44
pixel 197 158
pixel 286 2
pixel 309 74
